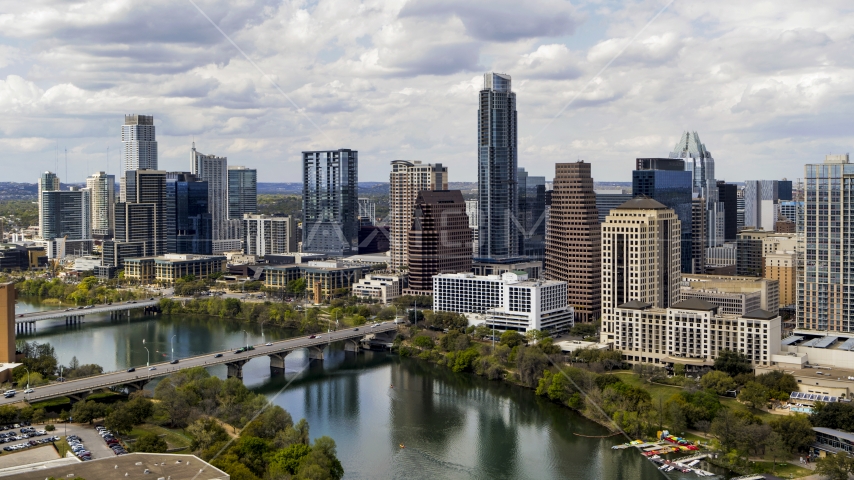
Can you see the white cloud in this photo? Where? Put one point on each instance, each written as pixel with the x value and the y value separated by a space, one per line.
pixel 760 81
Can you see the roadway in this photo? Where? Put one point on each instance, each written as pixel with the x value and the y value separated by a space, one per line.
pixel 143 374
pixel 77 311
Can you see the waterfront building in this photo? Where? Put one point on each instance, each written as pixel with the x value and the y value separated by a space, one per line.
pixel 701 164
pixel 141 227
pixel 507 302
pixel 609 199
pixel 168 268
pixel 497 168
pixel 728 197
pixel 322 278
pixel 269 235
pixel 666 181
pixel 367 212
pixel 67 214
pixel 384 288
pixel 214 171
pixel 641 258
pixel 330 202
pixel 573 239
pixel 102 192
pixel 531 209
pixel 14 257
pixel 734 295
pixel 826 287
pixel 439 239
pixel 693 333
pixel 242 198
pixel 406 179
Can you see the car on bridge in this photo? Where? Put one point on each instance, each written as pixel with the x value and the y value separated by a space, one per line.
pixel 131 370
pixel 174 362
pixel 218 355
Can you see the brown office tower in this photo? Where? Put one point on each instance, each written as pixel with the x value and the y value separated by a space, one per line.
pixel 573 239
pixel 7 323
pixel 439 240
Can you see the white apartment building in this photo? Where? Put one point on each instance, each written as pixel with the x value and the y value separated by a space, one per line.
pixel 381 287
pixel 508 302
pixel 641 258
pixel 102 190
pixel 266 235
pixel 735 295
pixel 693 333
pixel 407 178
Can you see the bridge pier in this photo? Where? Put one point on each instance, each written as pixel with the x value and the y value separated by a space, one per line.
pixel 315 353
pixel 138 384
pixel 277 363
pixel 351 346
pixel 76 397
pixel 235 369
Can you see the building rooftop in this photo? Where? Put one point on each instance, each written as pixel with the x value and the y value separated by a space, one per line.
pixel 760 314
pixel 695 304
pixel 636 305
pixel 642 203
pixel 148 466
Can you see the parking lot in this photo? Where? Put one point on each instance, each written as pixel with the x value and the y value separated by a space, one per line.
pixel 90 438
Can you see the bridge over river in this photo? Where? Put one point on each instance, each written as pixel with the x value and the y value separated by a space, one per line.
pixel 25 322
pixel 277 351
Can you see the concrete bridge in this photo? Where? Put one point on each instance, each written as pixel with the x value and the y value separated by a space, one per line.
pixel 25 322
pixel 277 351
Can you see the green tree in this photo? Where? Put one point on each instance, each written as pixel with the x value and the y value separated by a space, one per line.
pixel 87 411
pixel 732 363
pixel 834 467
pixel 583 330
pixel 777 450
pixel 287 461
pixel 530 364
pixel 754 394
pixel 139 407
pixel 149 443
pixel 512 338
pixel 206 432
pixel 836 415
pixel 717 381
pixel 465 360
pixel 795 431
pixel 271 421
pixel 779 384
pixel 119 420
pixel 423 341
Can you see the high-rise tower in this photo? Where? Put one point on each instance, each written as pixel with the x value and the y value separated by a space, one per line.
pixel 102 190
pixel 214 170
pixel 826 286
pixel 573 239
pixel 641 258
pixel 700 163
pixel 497 163
pixel 139 143
pixel 48 182
pixel 407 178
pixel 330 193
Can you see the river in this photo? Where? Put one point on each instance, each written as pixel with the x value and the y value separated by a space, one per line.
pixel 453 426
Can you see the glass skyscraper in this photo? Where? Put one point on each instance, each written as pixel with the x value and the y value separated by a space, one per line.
pixel 330 202
pixel 188 223
pixel 671 187
pixel 701 164
pixel 531 214
pixel 242 192
pixel 826 287
pixel 497 163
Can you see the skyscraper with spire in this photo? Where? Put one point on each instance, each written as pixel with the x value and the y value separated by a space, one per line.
pixel 701 164
pixel 497 164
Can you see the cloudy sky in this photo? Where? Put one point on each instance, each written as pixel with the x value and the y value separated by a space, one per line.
pixel 767 84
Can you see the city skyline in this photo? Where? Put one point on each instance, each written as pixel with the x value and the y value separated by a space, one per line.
pixel 773 102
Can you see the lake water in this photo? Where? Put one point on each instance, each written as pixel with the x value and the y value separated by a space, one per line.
pixel 454 426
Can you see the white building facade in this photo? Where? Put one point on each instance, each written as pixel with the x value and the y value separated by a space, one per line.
pixel 384 288
pixel 266 235
pixel 508 302
pixel 693 333
pixel 214 170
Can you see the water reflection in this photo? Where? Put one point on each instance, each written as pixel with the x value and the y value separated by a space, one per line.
pixel 453 426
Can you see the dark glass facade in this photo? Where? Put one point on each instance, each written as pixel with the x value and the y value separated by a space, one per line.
pixel 531 215
pixel 497 164
pixel 189 224
pixel 728 195
pixel 330 202
pixel 673 189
